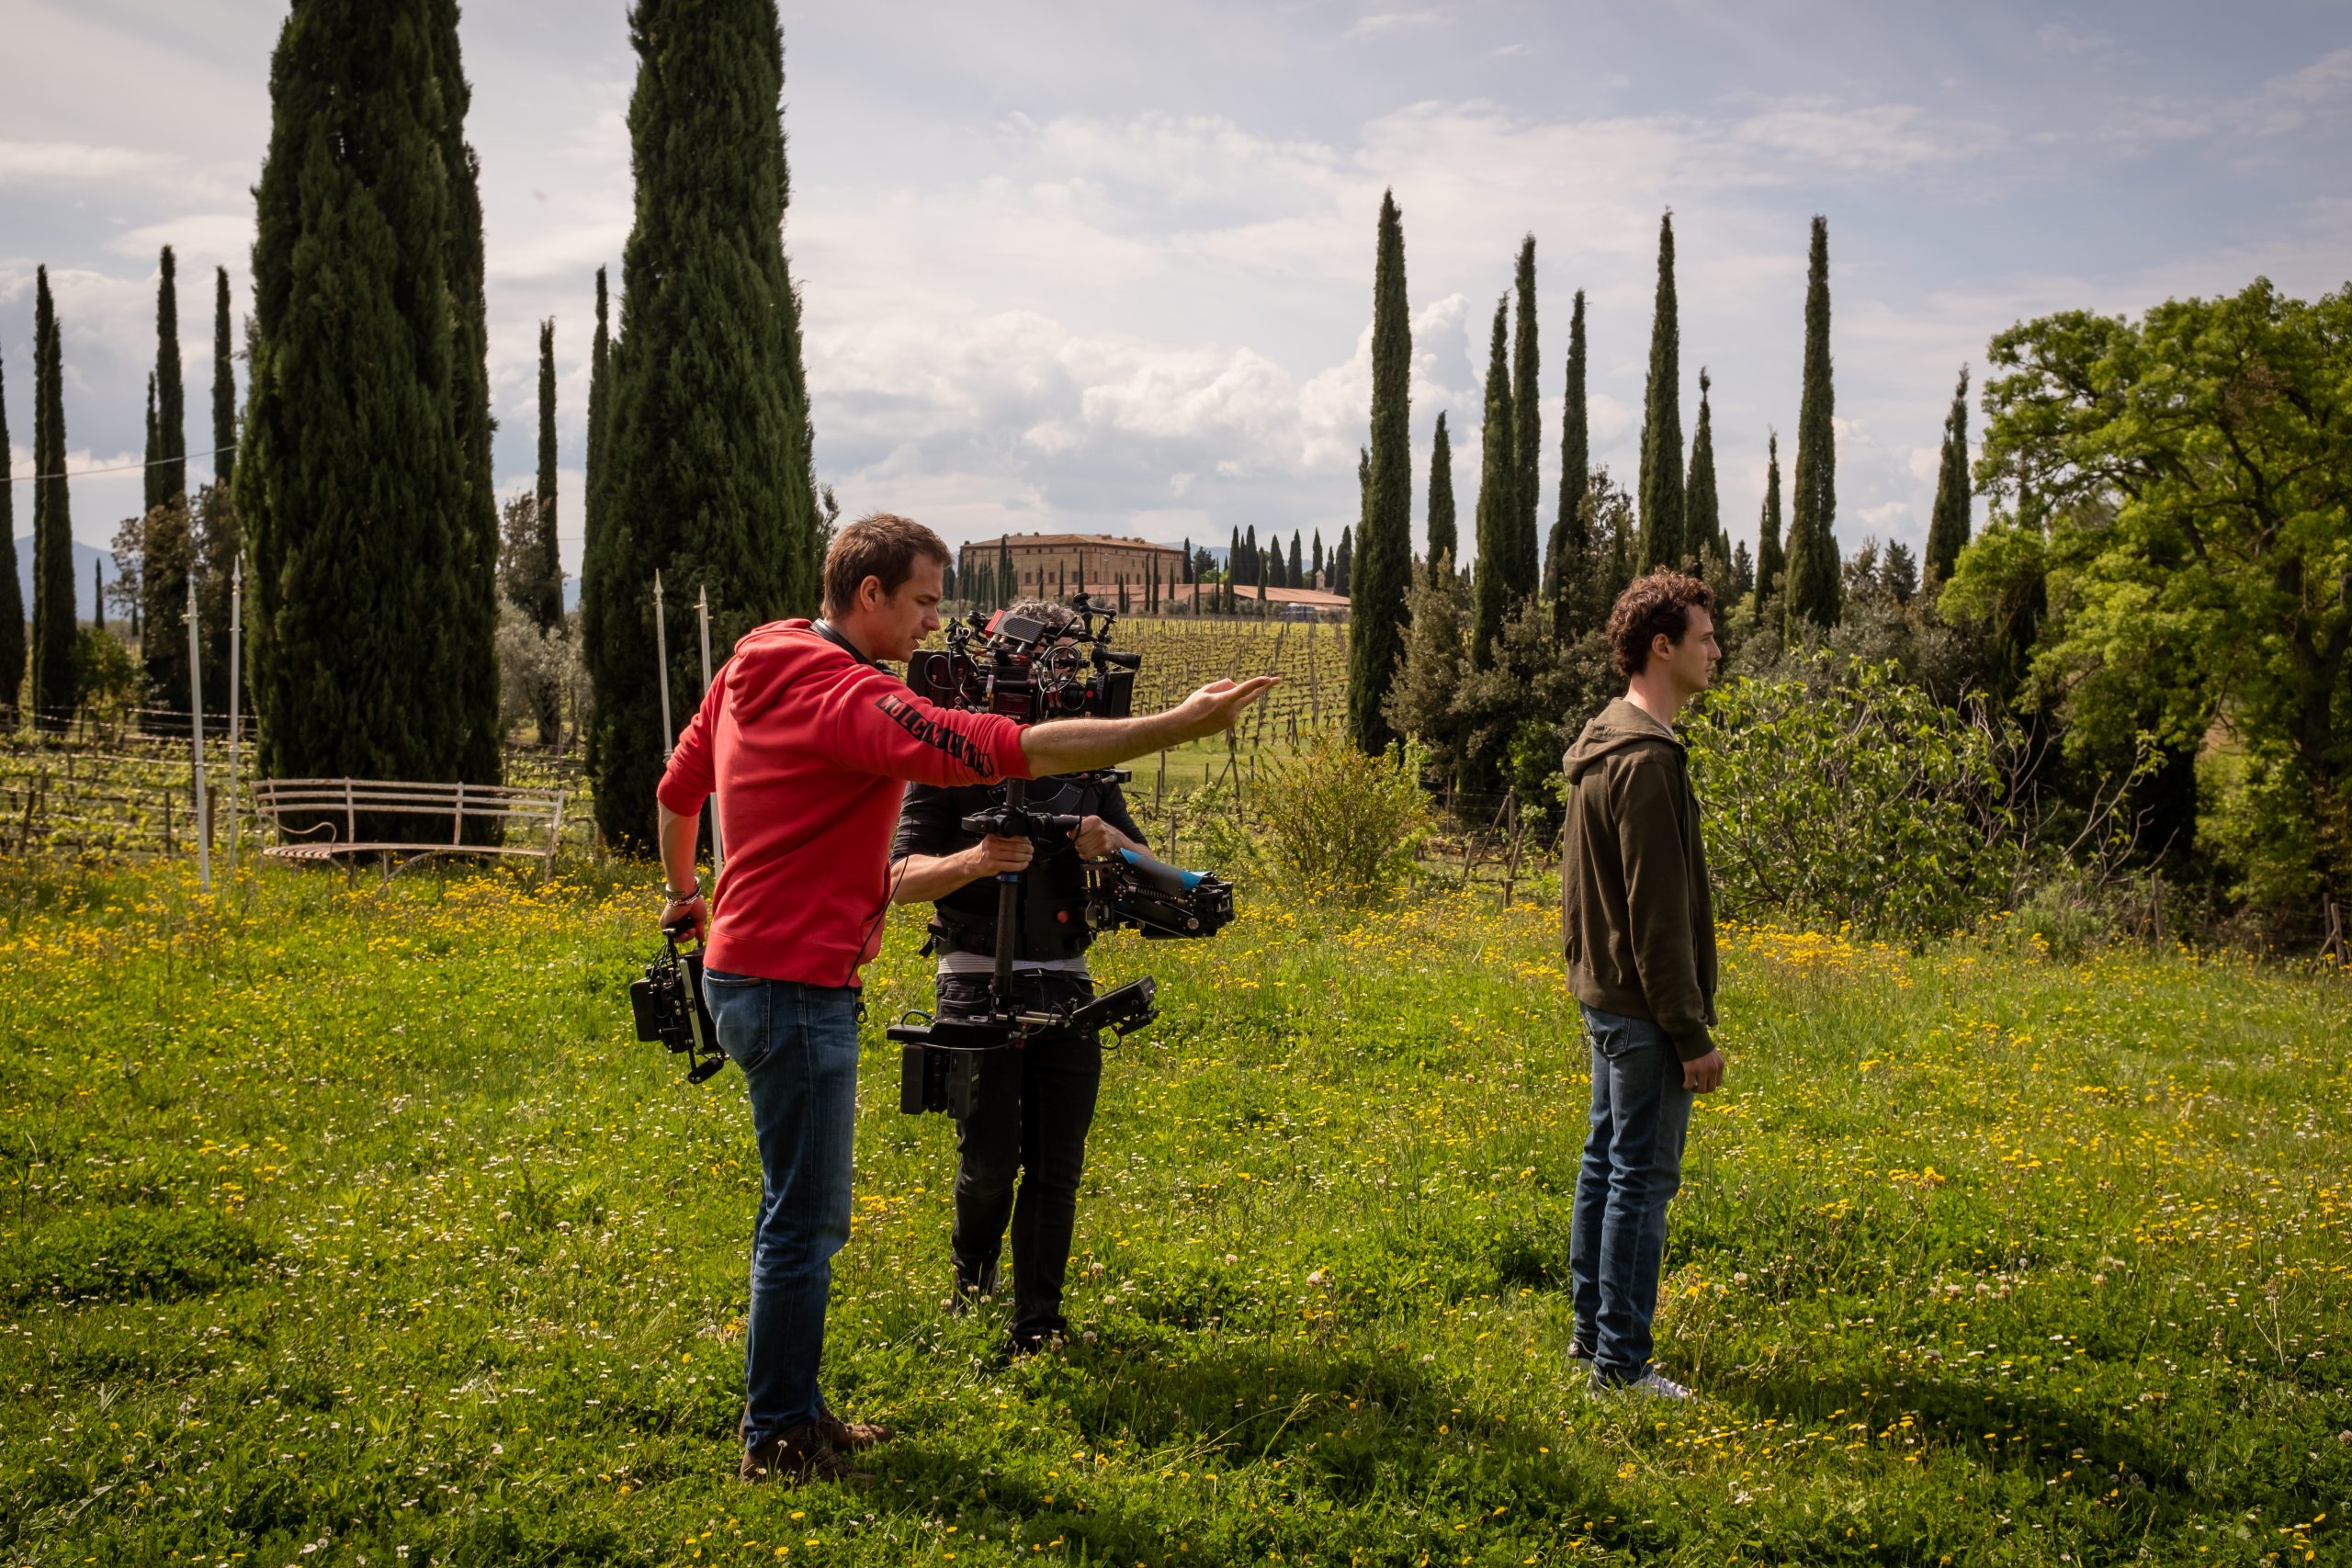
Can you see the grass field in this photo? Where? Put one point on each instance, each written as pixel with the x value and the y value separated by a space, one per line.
pixel 344 1228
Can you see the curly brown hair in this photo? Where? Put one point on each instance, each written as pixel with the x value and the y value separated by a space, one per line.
pixel 1658 603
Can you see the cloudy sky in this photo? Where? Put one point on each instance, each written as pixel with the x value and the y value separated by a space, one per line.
pixel 1109 267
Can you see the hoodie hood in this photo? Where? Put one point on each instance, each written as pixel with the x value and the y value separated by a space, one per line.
pixel 1613 728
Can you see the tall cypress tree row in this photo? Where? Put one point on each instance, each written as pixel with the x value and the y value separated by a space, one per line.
pixel 1527 427
pixel 545 602
pixel 1771 560
pixel 171 392
pixel 1701 513
pixel 56 683
pixel 1376 622
pixel 224 387
pixel 707 449
pixel 1571 534
pixel 1948 523
pixel 1664 542
pixel 1815 589
pixel 1445 543
pixel 12 594
pixel 363 474
pixel 1498 510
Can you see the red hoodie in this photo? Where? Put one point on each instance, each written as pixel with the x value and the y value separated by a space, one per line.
pixel 811 750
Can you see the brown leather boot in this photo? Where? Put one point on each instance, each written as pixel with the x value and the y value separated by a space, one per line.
pixel 799 1456
pixel 852 1437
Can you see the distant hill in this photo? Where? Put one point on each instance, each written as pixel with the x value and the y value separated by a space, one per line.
pixel 83 608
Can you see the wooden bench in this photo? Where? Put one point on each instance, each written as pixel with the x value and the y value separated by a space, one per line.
pixel 317 802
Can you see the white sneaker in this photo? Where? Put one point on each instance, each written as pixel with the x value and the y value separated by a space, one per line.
pixel 1651 1384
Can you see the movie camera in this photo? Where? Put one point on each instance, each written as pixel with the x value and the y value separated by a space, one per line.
pixel 1020 667
pixel 669 1006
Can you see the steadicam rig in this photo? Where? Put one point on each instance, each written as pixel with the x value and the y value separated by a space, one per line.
pixel 1030 671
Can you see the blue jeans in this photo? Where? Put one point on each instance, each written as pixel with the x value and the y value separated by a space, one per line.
pixel 1633 1165
pixel 798 1047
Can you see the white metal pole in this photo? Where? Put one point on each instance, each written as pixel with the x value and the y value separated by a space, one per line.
pixel 196 741
pixel 661 660
pixel 718 845
pixel 236 624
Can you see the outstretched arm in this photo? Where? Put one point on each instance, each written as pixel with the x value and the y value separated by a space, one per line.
pixel 1075 745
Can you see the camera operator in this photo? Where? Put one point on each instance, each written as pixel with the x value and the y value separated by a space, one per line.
pixel 1030 1106
pixel 809 742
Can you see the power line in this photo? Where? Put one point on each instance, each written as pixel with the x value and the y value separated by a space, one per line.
pixel 117 468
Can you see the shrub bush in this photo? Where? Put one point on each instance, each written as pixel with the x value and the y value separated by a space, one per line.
pixel 1343 824
pixel 1854 799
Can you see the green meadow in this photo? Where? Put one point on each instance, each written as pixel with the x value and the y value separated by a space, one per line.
pixel 348 1224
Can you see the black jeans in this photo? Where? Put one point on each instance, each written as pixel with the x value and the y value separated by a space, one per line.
pixel 1031 1105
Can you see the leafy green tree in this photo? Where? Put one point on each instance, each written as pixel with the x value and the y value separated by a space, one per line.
pixel 1444 538
pixel 363 475
pixel 12 594
pixel 1526 425
pixel 1813 561
pixel 168 476
pixel 708 447
pixel 1420 704
pixel 1771 560
pixel 224 386
pixel 217 540
pixel 55 687
pixel 1701 513
pixel 1376 625
pixel 1948 524
pixel 1498 510
pixel 1571 541
pixel 2183 478
pixel 167 559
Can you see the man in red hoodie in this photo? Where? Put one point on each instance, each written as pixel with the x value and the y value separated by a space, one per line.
pixel 809 744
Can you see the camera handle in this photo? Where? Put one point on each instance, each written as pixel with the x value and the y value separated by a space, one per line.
pixel 1008 907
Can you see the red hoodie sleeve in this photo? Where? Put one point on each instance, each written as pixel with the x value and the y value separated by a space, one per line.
pixel 882 728
pixel 687 781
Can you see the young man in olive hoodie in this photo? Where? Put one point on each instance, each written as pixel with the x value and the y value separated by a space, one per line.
pixel 1638 926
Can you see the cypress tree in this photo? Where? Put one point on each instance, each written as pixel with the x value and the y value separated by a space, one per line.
pixel 1255 563
pixel 167 559
pixel 1948 523
pixel 1771 563
pixel 171 395
pixel 12 593
pixel 708 442
pixel 1445 543
pixel 224 387
pixel 1377 627
pixel 1233 563
pixel 1813 589
pixel 1344 562
pixel 1499 511
pixel 1187 568
pixel 98 592
pixel 1701 513
pixel 1316 566
pixel 151 473
pixel 1571 535
pixel 600 355
pixel 1296 570
pixel 1664 543
pixel 545 604
pixel 1527 426
pixel 55 680
pixel 363 475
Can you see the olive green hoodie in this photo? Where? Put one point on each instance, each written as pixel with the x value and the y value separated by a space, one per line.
pixel 1636 920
